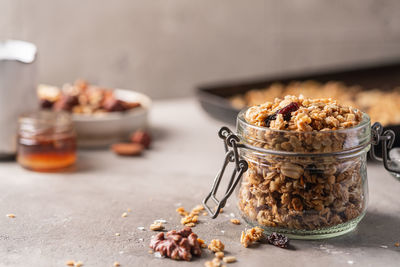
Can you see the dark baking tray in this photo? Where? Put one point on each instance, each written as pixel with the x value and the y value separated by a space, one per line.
pixel 214 97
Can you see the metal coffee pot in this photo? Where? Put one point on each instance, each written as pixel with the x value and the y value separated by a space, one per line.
pixel 17 89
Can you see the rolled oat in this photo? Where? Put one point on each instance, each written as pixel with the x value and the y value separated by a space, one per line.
pixel 229 259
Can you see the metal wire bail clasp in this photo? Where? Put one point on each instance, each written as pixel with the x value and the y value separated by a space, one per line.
pixel 387 139
pixel 232 155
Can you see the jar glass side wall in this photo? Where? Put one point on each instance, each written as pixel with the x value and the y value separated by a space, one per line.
pixel 304 196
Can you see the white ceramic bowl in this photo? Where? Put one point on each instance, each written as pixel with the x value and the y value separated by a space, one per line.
pixel 102 130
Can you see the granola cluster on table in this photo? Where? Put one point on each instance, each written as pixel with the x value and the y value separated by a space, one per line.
pixel 308 191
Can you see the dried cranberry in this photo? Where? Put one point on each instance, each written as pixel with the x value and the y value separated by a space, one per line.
pixel 269 119
pixel 285 111
pixel 278 240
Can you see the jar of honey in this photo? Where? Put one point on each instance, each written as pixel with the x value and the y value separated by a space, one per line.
pixel 46 141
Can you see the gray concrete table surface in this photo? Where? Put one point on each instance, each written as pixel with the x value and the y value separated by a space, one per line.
pixel 75 215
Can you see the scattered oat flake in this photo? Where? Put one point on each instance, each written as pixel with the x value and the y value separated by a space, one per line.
pixel 157 226
pixel 79 264
pixel 70 263
pixel 124 215
pixel 235 221
pixel 141 228
pixel 229 259
pixel 222 231
pixel 11 215
pixel 232 214
pixel 141 239
pixel 160 221
pixel 350 262
pixel 117 234
pixel 383 246
pixel 116 264
pixel 397 244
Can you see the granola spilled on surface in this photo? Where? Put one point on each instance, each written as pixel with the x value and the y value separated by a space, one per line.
pixel 216 246
pixel 250 236
pixel 192 218
pixel 302 192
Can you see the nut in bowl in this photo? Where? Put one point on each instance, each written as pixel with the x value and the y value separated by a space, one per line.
pixel 101 116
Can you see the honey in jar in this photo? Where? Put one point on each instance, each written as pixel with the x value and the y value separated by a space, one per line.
pixel 46 141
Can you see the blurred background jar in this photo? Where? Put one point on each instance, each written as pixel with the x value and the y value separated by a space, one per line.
pixel 46 141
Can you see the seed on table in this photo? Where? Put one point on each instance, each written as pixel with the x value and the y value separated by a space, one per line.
pixel 117 264
pixel 229 259
pixel 219 254
pixel 124 215
pixel 235 221
pixel 157 226
pixel 70 263
pixel 11 215
pixel 79 264
pixel 117 234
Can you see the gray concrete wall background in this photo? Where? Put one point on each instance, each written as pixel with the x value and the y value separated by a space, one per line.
pixel 166 47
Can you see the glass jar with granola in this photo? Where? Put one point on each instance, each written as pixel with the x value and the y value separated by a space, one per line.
pixel 307 172
pixel 305 169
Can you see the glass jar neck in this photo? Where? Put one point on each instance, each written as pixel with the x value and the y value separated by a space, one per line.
pixel 264 139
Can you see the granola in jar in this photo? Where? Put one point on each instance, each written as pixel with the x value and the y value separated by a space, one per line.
pixel 306 165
